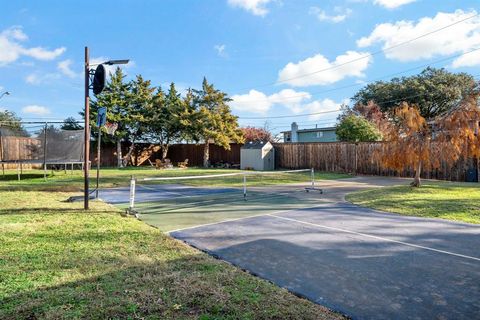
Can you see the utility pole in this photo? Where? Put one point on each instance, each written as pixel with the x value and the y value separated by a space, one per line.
pixel 86 151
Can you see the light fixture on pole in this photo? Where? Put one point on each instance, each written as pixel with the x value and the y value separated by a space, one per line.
pixel 6 93
pixel 94 79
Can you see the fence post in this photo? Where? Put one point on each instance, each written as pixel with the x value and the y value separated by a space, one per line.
pixel 132 194
pixel 356 159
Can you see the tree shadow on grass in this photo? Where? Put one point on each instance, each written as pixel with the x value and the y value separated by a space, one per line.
pixel 186 287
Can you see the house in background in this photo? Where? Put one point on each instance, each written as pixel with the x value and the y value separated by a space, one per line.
pixel 310 135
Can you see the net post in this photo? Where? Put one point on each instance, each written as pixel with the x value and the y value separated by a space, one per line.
pixel 312 175
pixel 132 194
pixel 45 152
pixel 245 187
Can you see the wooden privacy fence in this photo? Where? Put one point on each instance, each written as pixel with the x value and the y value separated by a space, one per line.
pixel 17 148
pixel 359 159
pixel 176 153
pixel 331 157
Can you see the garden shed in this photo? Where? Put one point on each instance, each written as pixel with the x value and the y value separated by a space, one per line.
pixel 257 155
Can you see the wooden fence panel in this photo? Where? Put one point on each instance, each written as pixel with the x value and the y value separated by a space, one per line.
pixel 331 157
pixel 358 158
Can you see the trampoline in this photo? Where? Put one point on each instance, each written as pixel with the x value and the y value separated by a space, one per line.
pixel 42 145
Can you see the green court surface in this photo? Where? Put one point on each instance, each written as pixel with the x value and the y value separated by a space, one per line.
pixel 190 211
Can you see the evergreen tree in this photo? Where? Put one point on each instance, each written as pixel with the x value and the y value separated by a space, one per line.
pixel 165 118
pixel 141 101
pixel 11 124
pixel 117 98
pixel 213 120
pixel 71 124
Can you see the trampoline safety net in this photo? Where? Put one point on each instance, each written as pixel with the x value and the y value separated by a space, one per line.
pixel 41 144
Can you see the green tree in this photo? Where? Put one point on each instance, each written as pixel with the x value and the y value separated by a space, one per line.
pixel 140 100
pixel 434 91
pixel 212 120
pixel 165 118
pixel 355 128
pixel 71 124
pixel 117 98
pixel 11 122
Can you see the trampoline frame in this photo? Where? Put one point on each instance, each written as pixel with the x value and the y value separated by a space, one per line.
pixel 44 164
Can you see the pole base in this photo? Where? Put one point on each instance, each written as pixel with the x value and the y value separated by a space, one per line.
pixel 308 189
pixel 80 198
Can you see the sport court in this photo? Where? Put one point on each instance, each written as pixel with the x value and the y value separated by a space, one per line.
pixel 363 263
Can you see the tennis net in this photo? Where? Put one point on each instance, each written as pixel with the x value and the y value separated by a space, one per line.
pixel 182 201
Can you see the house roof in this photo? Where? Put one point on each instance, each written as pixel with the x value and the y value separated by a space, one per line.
pixel 255 145
pixel 313 130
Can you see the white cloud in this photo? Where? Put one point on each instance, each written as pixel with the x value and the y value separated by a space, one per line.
pixel 325 105
pixel 43 54
pixel 298 102
pixel 64 67
pixel 468 60
pixel 317 70
pixel 392 4
pixel 37 79
pixel 341 14
pixel 32 79
pixel 254 101
pixel 290 98
pixel 11 47
pixel 35 110
pixel 257 7
pixel 220 48
pixel 258 102
pixel 459 38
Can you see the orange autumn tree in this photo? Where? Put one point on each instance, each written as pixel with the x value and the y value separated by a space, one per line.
pixel 457 133
pixel 408 138
pixel 414 143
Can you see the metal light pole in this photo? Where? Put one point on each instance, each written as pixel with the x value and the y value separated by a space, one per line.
pixel 86 165
pixel 86 151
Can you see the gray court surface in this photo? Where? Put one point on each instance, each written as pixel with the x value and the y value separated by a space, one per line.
pixel 360 262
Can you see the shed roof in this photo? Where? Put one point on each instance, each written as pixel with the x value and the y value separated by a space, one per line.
pixel 255 144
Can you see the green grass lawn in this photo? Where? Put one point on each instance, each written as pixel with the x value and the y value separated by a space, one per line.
pixel 452 201
pixel 57 261
pixel 112 177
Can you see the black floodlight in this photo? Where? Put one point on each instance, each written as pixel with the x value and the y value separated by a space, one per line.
pixel 6 93
pixel 112 62
pixel 99 79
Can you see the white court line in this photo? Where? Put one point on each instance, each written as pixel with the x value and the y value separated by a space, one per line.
pixel 374 237
pixel 241 218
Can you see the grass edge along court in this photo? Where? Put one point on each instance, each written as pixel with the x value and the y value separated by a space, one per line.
pixel 434 199
pixel 60 262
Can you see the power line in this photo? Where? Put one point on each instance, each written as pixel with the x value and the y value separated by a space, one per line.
pixel 370 54
pixel 308 95
pixel 331 111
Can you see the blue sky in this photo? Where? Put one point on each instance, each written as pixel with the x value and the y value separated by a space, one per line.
pixel 274 57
